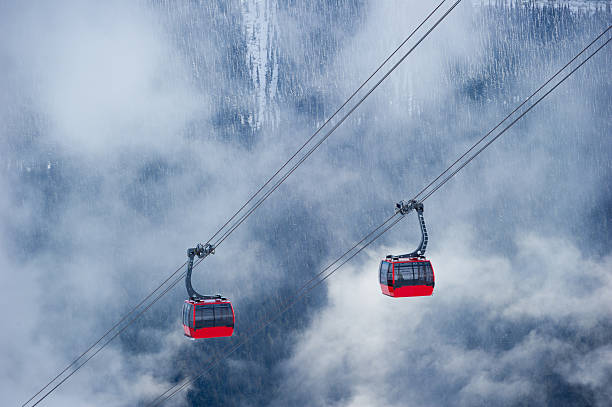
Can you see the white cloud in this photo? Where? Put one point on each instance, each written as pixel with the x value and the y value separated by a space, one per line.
pixel 403 351
pixel 103 74
pixel 104 89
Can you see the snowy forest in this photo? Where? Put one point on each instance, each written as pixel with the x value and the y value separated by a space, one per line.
pixel 130 131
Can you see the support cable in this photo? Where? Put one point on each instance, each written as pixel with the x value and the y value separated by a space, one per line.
pixel 176 281
pixel 244 217
pixel 445 180
pixel 157 298
pixel 306 288
pixel 325 123
pixel 416 197
pixel 299 295
pixel 126 316
pixel 279 182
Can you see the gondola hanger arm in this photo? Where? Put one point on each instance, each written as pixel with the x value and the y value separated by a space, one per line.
pixel 404 208
pixel 201 251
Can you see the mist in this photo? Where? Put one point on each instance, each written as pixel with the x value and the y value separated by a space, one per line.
pixel 132 131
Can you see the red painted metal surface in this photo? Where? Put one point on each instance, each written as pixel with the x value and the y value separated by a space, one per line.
pixel 408 290
pixel 387 290
pixel 203 333
pixel 209 332
pixel 413 291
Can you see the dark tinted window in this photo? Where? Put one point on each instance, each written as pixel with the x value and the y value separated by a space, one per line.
pixel 425 272
pixel 204 316
pixel 223 315
pixel 384 268
pixel 428 273
pixel 188 315
pixel 413 273
pixel 405 272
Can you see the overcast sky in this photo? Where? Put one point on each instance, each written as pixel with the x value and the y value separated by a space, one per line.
pixel 132 131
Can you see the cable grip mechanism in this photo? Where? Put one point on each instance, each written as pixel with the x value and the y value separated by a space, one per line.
pixel 403 208
pixel 201 251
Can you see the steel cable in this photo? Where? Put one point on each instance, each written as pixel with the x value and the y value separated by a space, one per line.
pixel 105 335
pixel 445 180
pixel 299 295
pixel 243 218
pixel 416 197
pixel 326 122
pixel 279 182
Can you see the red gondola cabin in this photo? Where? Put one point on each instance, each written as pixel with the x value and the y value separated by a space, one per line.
pixel 205 316
pixel 406 277
pixel 411 274
pixel 208 318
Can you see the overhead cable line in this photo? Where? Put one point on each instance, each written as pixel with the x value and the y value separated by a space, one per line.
pixel 416 197
pixel 406 54
pixel 108 341
pixel 326 122
pixel 107 333
pixel 452 174
pixel 299 295
pixel 250 211
pixel 307 288
pixel 157 298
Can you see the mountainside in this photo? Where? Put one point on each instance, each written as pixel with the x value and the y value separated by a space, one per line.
pixel 132 132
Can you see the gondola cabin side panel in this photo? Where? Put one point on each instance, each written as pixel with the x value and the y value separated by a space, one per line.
pixel 208 319
pixel 188 318
pixel 412 277
pixel 386 278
